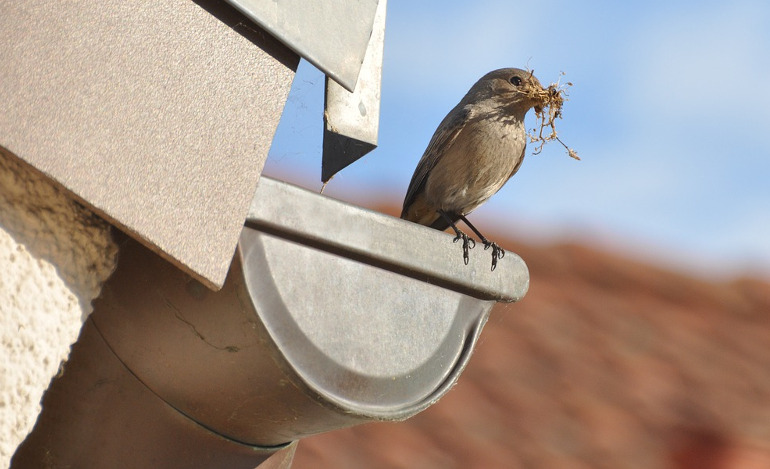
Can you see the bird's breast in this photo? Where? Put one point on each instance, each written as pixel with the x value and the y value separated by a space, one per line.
pixel 477 164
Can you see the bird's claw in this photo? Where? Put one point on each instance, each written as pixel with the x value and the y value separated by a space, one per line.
pixel 497 253
pixel 468 244
pixel 466 240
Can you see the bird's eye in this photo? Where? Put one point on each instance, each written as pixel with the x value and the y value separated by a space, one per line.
pixel 516 81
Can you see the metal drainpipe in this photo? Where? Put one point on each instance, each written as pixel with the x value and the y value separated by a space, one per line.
pixel 331 316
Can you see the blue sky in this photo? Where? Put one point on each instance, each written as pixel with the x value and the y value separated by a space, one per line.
pixel 669 112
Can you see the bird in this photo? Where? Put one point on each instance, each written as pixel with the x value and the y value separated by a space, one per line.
pixel 475 150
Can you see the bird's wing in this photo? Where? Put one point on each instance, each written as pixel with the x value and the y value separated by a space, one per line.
pixel 448 131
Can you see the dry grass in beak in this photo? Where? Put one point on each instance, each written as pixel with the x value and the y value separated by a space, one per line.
pixel 548 108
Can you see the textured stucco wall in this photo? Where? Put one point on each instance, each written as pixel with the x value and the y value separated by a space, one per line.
pixel 54 257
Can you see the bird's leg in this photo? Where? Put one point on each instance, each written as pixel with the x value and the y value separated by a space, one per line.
pixel 468 242
pixel 497 251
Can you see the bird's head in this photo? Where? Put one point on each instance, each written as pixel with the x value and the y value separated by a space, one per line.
pixel 512 89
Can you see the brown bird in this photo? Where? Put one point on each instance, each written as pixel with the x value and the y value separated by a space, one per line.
pixel 478 146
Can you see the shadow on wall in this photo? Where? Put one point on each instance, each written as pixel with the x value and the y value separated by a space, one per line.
pixel 55 228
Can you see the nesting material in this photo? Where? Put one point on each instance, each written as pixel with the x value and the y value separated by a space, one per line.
pixel 548 108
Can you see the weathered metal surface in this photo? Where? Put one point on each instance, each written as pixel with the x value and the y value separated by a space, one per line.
pixel 331 316
pixel 297 341
pixel 97 414
pixel 331 34
pixel 293 213
pixel 158 115
pixel 352 119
